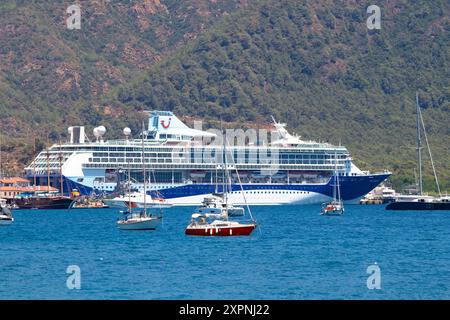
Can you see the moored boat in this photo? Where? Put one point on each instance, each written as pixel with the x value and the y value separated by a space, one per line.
pixel 6 217
pixel 212 218
pixel 333 209
pixel 200 226
pixel 45 201
pixel 88 203
pixel 421 201
pixel 140 220
pixel 336 206
pixel 215 204
pixel 136 200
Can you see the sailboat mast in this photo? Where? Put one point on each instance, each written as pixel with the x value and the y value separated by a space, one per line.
pixel 216 189
pixel 48 171
pixel 60 171
pixel 129 188
pixel 225 172
pixel 335 176
pixel 419 145
pixel 144 170
pixel 34 166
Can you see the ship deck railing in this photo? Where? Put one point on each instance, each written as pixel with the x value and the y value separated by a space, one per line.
pixel 212 167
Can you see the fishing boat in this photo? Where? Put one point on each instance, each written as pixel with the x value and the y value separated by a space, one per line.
pixel 6 217
pixel 140 220
pixel 213 217
pixel 421 201
pixel 336 206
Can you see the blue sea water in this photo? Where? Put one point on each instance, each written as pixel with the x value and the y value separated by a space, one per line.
pixel 295 254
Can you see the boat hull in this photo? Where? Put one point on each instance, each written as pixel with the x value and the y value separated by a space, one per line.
pixel 409 205
pixel 148 224
pixel 244 230
pixel 353 188
pixel 5 221
pixel 44 203
pixel 123 204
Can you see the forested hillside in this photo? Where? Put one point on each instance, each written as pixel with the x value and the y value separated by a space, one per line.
pixel 52 77
pixel 312 64
pixel 315 65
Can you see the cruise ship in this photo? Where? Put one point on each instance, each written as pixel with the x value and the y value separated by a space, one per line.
pixel 185 165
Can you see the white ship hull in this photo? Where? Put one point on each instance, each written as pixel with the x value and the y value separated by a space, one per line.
pixel 257 199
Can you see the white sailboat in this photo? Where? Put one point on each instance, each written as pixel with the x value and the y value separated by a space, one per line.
pixel 139 220
pixel 6 217
pixel 336 206
pixel 421 201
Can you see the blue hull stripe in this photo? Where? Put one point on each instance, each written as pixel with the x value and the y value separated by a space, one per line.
pixel 352 187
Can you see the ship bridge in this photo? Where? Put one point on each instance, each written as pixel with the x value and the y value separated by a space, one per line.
pixel 164 125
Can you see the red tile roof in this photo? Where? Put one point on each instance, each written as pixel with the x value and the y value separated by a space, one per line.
pixel 14 180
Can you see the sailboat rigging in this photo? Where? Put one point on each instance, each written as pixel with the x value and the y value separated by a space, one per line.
pixel 139 220
pixel 212 218
pixel 421 201
pixel 336 206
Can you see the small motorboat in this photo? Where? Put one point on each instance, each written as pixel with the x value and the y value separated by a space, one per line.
pixel 88 203
pixel 216 203
pixel 219 226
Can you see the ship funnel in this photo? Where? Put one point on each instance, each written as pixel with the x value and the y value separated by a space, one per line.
pixel 77 135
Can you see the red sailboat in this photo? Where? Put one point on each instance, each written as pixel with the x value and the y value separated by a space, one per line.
pixel 219 226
